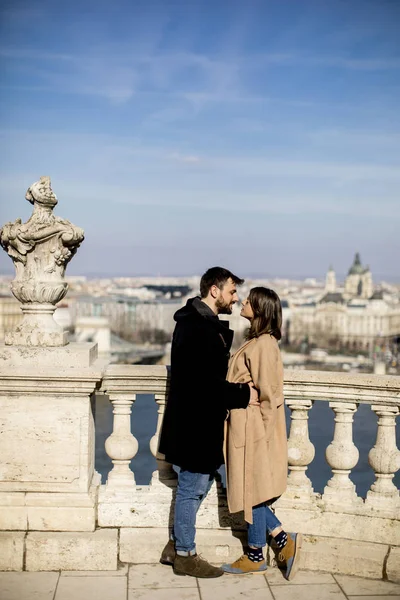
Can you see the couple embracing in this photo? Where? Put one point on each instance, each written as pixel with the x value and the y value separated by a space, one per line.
pixel 231 410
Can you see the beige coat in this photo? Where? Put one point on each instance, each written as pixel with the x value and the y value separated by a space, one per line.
pixel 255 444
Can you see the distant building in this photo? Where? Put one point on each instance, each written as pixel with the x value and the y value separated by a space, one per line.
pixel 330 281
pixel 128 315
pixel 94 329
pixel 358 283
pixel 10 314
pixel 113 348
pixel 354 316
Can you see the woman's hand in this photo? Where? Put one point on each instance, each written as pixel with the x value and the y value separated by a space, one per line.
pixel 254 399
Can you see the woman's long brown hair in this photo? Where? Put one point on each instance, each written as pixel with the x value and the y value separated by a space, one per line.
pixel 267 310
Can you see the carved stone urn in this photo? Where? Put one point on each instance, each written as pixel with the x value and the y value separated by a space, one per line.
pixel 40 249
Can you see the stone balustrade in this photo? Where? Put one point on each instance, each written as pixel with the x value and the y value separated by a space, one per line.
pixel 119 383
pixel 343 392
pixel 342 531
pixel 370 525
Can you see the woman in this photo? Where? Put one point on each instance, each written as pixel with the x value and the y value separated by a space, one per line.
pixel 255 438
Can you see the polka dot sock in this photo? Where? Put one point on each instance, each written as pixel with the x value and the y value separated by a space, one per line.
pixel 255 554
pixel 281 539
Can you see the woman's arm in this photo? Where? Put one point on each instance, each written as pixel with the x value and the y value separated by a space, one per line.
pixel 264 364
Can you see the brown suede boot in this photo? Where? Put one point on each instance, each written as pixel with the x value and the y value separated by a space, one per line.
pixel 195 567
pixel 168 554
pixel 288 556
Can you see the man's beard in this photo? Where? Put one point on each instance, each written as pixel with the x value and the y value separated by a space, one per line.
pixel 224 308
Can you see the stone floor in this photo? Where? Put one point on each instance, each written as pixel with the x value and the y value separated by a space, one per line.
pixel 157 582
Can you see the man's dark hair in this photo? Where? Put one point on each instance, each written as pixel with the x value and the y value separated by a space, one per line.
pixel 216 276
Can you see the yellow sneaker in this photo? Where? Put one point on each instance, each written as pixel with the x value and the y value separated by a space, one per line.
pixel 244 565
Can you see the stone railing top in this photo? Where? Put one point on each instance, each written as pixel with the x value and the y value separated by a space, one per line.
pixel 346 387
pixel 138 379
pixel 298 384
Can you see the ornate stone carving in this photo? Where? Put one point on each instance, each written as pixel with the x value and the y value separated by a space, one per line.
pixel 40 249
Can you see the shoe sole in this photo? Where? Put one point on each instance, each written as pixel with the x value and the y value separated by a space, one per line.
pixel 239 572
pixel 295 563
pixel 198 576
pixel 247 572
pixel 166 562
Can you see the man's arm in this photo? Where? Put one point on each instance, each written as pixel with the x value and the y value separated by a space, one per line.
pixel 198 358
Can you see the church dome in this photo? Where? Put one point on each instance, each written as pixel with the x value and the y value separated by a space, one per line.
pixel 356 268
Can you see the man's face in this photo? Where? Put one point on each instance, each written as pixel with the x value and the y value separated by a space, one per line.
pixel 226 298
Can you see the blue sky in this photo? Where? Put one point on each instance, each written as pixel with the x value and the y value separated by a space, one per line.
pixel 261 135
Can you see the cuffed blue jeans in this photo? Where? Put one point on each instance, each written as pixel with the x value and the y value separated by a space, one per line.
pixel 191 490
pixel 264 520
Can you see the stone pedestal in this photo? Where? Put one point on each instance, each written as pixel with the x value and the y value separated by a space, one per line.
pixel 47 476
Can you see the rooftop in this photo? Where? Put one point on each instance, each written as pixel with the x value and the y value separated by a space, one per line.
pixel 335 297
pixel 157 582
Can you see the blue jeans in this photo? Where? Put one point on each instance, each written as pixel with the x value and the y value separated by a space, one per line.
pixel 263 520
pixel 191 490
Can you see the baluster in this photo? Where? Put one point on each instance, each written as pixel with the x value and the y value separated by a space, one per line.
pixel 164 469
pixel 384 458
pixel 301 451
pixel 121 446
pixel 342 456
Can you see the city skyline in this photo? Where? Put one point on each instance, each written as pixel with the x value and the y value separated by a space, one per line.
pixel 8 270
pixel 262 137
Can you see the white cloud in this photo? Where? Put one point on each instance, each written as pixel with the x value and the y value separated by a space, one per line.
pixel 191 159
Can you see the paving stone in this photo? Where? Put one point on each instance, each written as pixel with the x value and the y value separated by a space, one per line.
pixel 156 577
pixel 357 586
pixel 85 588
pixel 235 587
pixel 164 594
pixel 230 592
pixel 237 592
pixel 324 591
pixel 28 586
pixel 275 577
pixel 254 581
pixel 121 572
pixel 372 597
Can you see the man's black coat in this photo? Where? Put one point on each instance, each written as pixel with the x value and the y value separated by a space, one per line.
pixel 193 427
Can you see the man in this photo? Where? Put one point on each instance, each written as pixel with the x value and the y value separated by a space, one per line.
pixel 193 428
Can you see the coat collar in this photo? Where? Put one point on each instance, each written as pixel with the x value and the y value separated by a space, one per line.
pixel 242 348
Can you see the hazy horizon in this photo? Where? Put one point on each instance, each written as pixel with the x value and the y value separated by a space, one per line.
pixel 340 277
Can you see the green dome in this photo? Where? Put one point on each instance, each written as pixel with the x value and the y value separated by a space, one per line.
pixel 356 268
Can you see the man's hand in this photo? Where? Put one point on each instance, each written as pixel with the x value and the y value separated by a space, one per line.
pixel 254 399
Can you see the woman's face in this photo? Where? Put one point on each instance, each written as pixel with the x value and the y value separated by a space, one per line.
pixel 247 311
